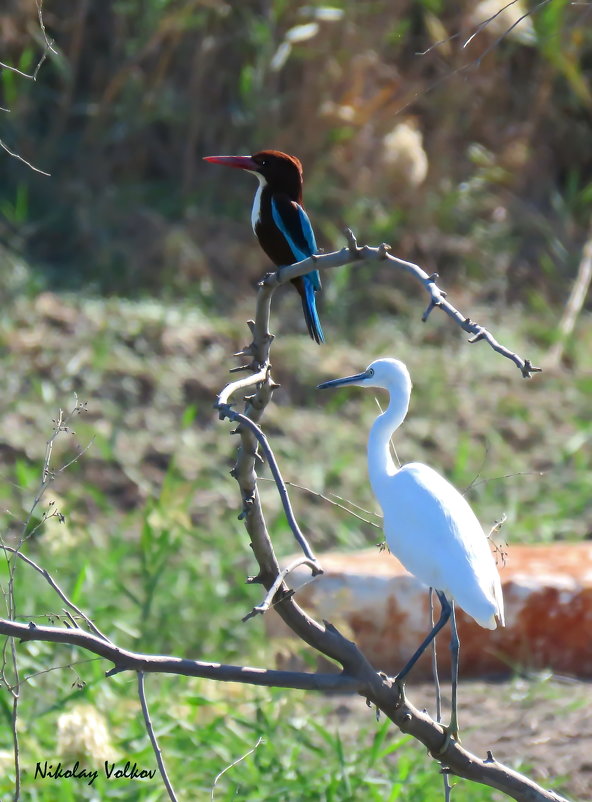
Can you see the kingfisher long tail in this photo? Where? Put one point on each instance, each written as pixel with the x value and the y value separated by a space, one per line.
pixel 309 307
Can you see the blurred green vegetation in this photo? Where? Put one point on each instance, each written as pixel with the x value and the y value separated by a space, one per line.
pixel 141 89
pixel 126 278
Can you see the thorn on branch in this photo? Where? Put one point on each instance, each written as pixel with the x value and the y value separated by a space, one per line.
pixel 239 368
pixel 274 385
pixel 330 628
pixel 224 410
pixel 250 615
pixel 432 305
pixel 490 758
pixel 475 339
pixel 246 351
pixel 383 250
pixel 433 278
pixel 352 242
pixel 247 506
pixel 251 325
pixel 529 369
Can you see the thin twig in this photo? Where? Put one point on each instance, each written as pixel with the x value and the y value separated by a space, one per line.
pixel 234 763
pixel 228 412
pixel 54 585
pixel 20 158
pixel 153 739
pixel 331 501
pixel 266 603
pixel 241 384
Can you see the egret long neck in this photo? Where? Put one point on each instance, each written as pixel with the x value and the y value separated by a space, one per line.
pixel 380 461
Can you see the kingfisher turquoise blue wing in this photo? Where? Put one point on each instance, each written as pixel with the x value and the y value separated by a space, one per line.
pixel 292 221
pixel 280 222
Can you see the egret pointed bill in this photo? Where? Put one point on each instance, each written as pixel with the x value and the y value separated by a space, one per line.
pixel 357 378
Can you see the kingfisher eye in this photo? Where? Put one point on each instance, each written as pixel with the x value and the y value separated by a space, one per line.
pixel 371 372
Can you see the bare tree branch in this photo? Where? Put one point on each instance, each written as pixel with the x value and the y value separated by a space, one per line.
pixel 437 297
pixel 377 688
pixel 124 660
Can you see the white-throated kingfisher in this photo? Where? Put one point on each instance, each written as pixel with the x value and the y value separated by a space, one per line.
pixel 280 223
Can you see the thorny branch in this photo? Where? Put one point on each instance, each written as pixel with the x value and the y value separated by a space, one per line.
pixel 378 689
pixel 437 297
pixel 356 673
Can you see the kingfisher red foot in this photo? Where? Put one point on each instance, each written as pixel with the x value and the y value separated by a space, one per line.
pixel 280 223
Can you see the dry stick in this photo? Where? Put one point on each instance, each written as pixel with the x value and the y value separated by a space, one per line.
pixel 266 603
pixel 574 304
pixel 33 77
pixel 48 46
pixel 153 739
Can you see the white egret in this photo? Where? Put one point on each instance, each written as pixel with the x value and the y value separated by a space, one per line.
pixel 428 524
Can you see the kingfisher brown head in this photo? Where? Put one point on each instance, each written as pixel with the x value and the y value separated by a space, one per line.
pixel 280 171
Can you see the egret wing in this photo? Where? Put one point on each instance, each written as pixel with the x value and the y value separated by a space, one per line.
pixel 433 531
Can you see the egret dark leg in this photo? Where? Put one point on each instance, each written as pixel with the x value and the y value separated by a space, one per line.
pixel 444 616
pixel 454 652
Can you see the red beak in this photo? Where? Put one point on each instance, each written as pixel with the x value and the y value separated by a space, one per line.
pixel 244 162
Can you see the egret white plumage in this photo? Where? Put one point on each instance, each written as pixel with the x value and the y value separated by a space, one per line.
pixel 428 524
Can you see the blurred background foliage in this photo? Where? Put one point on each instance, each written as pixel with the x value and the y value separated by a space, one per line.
pixel 457 156
pixel 127 276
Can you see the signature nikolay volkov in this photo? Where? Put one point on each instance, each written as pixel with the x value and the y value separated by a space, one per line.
pixel 112 771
